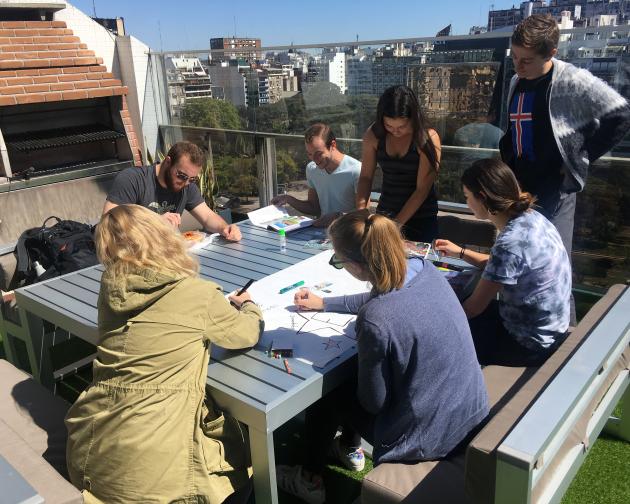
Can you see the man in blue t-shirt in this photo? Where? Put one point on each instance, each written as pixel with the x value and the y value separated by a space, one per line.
pixel 332 177
pixel 169 188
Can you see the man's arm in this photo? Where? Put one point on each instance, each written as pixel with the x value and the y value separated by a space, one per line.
pixel 213 222
pixel 309 207
pixel 108 206
pixel 174 219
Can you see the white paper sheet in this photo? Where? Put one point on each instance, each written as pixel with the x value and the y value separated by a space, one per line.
pixel 316 337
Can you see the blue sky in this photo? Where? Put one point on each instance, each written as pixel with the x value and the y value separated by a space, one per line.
pixel 189 24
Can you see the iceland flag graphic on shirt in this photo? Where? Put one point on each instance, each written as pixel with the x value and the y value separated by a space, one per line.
pixel 521 117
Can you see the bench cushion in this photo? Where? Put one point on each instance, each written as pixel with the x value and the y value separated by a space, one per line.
pixel 33 434
pixel 438 481
pixel 35 470
pixel 425 482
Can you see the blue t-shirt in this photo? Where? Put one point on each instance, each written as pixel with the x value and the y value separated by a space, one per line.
pixel 530 261
pixel 336 191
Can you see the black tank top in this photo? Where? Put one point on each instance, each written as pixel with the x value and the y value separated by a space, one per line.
pixel 400 177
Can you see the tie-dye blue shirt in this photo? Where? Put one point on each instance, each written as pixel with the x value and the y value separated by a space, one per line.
pixel 530 261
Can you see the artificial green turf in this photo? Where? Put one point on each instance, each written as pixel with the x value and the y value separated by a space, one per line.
pixel 604 478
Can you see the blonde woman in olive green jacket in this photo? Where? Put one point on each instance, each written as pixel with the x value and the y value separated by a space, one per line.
pixel 142 431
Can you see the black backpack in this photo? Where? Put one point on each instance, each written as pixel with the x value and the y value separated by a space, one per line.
pixel 62 248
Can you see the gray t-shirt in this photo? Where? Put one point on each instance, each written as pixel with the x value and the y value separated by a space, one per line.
pixel 335 191
pixel 140 186
pixel 530 261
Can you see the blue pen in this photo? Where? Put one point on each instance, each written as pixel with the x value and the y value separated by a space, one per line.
pixel 290 287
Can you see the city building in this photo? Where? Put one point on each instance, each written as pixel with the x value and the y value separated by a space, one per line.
pixel 317 70
pixel 227 76
pixel 187 80
pixel 359 73
pixel 387 72
pixel 461 89
pixel 228 48
pixel 275 79
pixel 582 12
pixel 337 71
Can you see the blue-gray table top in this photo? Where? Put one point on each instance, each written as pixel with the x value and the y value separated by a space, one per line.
pixel 255 388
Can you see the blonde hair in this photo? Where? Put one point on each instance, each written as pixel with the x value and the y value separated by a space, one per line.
pixel 130 238
pixel 376 242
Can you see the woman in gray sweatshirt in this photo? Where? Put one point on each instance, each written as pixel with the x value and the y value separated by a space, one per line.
pixel 420 389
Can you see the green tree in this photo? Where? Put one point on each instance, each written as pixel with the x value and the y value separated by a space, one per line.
pixel 288 169
pixel 246 185
pixel 211 113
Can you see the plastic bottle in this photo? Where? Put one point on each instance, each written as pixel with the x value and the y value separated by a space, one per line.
pixel 282 236
pixel 39 269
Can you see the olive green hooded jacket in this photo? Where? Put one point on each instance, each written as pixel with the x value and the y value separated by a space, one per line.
pixel 141 432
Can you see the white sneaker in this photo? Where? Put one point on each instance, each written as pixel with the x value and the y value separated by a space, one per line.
pixel 291 480
pixel 354 460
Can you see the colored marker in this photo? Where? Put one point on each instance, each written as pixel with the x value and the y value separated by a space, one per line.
pixel 286 366
pixel 291 287
pixel 450 267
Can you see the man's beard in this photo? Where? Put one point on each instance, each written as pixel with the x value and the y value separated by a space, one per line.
pixel 170 184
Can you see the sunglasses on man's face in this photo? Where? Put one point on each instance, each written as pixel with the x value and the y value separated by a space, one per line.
pixel 186 178
pixel 337 263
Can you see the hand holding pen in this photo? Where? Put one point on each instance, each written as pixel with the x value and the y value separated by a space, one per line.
pixel 238 298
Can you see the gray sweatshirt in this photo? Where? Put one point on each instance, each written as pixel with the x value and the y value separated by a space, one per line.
pixel 418 371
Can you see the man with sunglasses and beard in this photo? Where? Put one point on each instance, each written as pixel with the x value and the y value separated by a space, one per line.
pixel 170 187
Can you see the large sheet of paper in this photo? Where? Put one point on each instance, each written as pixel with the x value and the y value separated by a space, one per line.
pixel 316 337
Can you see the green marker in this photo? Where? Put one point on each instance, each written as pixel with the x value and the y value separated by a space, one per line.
pixel 290 287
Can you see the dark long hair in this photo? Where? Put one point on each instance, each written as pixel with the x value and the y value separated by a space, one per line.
pixel 493 182
pixel 401 101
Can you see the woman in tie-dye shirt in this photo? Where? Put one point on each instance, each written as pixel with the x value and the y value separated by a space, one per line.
pixel 528 267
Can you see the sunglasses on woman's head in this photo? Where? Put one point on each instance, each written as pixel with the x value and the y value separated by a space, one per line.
pixel 186 178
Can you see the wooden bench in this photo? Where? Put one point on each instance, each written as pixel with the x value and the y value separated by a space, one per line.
pixel 541 424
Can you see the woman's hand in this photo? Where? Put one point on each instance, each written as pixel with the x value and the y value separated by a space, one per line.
pixel 237 301
pixel 447 247
pixel 304 299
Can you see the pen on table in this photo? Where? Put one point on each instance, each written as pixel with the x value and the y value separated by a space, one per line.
pixel 286 366
pixel 290 287
pixel 245 287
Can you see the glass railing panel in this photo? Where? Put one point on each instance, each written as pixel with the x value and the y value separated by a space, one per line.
pixel 233 158
pixel 601 246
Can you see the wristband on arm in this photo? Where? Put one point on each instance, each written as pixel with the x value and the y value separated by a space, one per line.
pixel 461 253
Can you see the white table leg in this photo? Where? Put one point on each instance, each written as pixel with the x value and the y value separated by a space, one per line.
pixel 264 465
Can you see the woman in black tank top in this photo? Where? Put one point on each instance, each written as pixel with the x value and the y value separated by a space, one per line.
pixel 408 153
